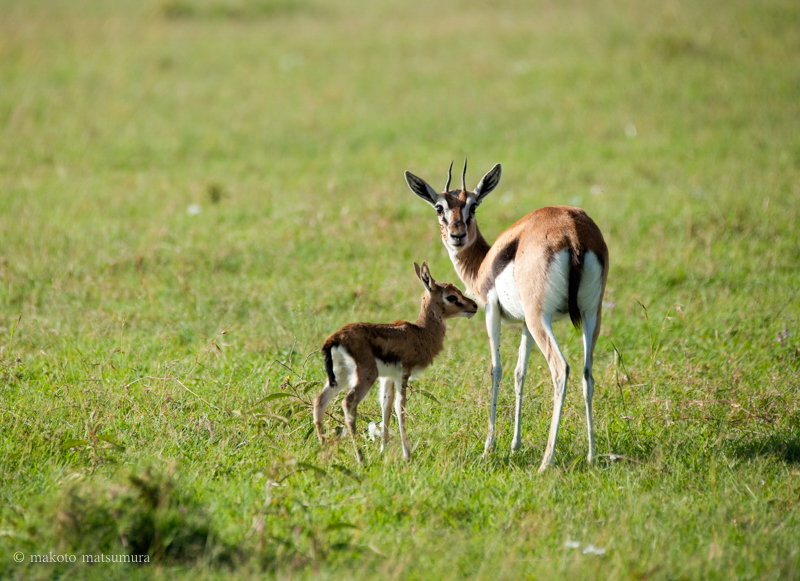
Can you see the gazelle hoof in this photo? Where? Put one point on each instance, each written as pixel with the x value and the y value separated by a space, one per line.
pixel 544 467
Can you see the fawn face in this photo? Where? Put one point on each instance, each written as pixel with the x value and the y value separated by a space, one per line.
pixel 448 297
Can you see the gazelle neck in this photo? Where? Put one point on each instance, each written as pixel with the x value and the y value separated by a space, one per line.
pixel 468 261
pixel 430 319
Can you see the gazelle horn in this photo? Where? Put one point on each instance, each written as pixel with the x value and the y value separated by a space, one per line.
pixel 449 176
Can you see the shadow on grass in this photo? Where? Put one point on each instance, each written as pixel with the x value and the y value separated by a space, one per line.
pixel 786 448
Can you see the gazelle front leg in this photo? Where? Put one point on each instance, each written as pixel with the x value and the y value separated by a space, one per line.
pixel 387 398
pixel 350 406
pixel 400 409
pixel 493 328
pixel 521 370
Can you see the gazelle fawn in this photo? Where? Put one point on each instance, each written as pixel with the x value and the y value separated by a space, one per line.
pixel 359 353
pixel 551 263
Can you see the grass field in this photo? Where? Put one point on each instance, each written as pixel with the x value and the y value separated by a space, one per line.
pixel 156 361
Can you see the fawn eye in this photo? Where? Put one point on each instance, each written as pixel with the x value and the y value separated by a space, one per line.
pixel 451 298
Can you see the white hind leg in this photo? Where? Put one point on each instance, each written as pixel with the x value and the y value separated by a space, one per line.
pixel 591 330
pixel 542 332
pixel 320 405
pixel 344 371
pixel 590 297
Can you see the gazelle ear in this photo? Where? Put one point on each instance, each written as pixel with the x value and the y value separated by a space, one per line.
pixel 421 188
pixel 424 275
pixel 488 182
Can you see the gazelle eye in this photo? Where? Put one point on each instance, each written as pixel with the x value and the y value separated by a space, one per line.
pixel 439 210
pixel 451 299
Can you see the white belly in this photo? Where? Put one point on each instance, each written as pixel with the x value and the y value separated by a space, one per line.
pixel 391 370
pixel 346 371
pixel 394 371
pixel 508 296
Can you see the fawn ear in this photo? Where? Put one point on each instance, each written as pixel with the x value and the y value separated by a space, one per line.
pixel 424 275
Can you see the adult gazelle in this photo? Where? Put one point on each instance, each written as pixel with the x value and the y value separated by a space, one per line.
pixel 551 263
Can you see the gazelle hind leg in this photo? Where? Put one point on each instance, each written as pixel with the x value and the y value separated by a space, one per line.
pixel 366 378
pixel 321 404
pixel 590 303
pixel 591 329
pixel 526 343
pixel 542 332
pixel 387 399
pixel 400 410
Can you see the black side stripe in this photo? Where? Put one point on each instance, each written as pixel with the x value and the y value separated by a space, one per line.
pixel 387 357
pixel 502 259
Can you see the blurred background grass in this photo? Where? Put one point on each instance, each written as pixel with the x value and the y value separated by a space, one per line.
pixel 137 336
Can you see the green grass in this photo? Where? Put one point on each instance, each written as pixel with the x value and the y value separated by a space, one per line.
pixel 139 344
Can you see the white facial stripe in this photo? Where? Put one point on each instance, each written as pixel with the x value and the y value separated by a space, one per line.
pixel 469 206
pixel 448 213
pixel 441 202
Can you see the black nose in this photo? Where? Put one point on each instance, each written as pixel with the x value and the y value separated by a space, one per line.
pixel 458 237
